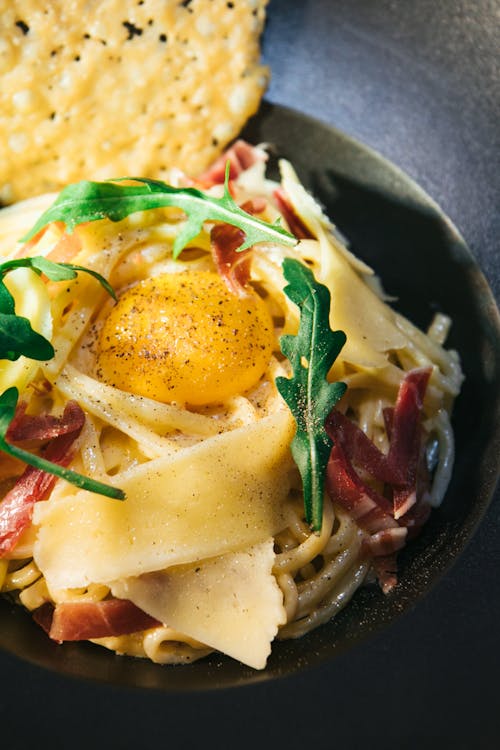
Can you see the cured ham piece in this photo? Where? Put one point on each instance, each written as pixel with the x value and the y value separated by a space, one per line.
pixel 254 205
pixel 43 616
pixel 43 426
pixel 295 223
pixel 397 512
pixel 362 452
pixel 415 518
pixel 63 251
pixel 81 621
pixel 404 455
pixel 233 266
pixel 16 508
pixel 386 570
pixel 241 155
pixel 371 510
pixel 387 541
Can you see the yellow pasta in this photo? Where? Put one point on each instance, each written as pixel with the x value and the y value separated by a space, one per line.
pixel 211 541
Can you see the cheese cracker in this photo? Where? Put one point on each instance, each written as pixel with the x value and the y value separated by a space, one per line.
pixel 98 89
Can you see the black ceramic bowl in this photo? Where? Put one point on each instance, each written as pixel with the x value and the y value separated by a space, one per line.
pixel 394 226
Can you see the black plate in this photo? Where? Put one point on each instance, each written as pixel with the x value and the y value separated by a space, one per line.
pixel 393 225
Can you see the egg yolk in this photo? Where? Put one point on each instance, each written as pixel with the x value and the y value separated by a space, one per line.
pixel 185 337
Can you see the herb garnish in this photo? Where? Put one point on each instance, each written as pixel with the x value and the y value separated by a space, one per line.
pixel 91 201
pixel 308 394
pixel 8 403
pixel 88 201
pixel 17 338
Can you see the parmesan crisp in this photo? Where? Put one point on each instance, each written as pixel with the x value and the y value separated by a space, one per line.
pixel 99 89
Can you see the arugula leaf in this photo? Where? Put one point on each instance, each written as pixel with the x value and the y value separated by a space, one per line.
pixel 53 271
pixel 17 338
pixel 91 201
pixel 7 304
pixel 308 394
pixel 8 402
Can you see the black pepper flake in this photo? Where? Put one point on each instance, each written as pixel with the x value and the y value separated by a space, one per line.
pixel 162 38
pixel 132 29
pixel 23 26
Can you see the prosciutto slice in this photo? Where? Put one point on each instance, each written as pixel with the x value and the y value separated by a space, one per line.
pixel 371 510
pixel 233 265
pixel 16 509
pixel 43 426
pixel 81 621
pixel 404 455
pixel 386 570
pixel 360 449
pixel 396 511
pixel 241 155
pixel 295 223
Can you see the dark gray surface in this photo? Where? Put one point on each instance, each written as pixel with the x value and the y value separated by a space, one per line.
pixel 420 82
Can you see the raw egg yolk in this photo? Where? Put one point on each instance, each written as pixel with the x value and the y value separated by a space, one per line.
pixel 185 337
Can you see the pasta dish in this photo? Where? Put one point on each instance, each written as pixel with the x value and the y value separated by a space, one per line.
pixel 277 431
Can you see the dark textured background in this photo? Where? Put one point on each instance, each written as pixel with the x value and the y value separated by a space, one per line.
pixel 419 81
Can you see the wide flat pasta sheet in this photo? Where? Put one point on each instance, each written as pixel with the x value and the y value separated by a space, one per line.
pixel 231 602
pixel 220 495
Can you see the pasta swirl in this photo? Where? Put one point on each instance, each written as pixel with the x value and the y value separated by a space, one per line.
pixel 305 578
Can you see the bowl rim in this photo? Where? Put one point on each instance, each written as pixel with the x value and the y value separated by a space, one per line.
pixel 87 662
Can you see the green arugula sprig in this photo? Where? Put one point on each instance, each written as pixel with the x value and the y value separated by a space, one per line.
pixel 17 338
pixel 8 403
pixel 308 394
pixel 91 201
